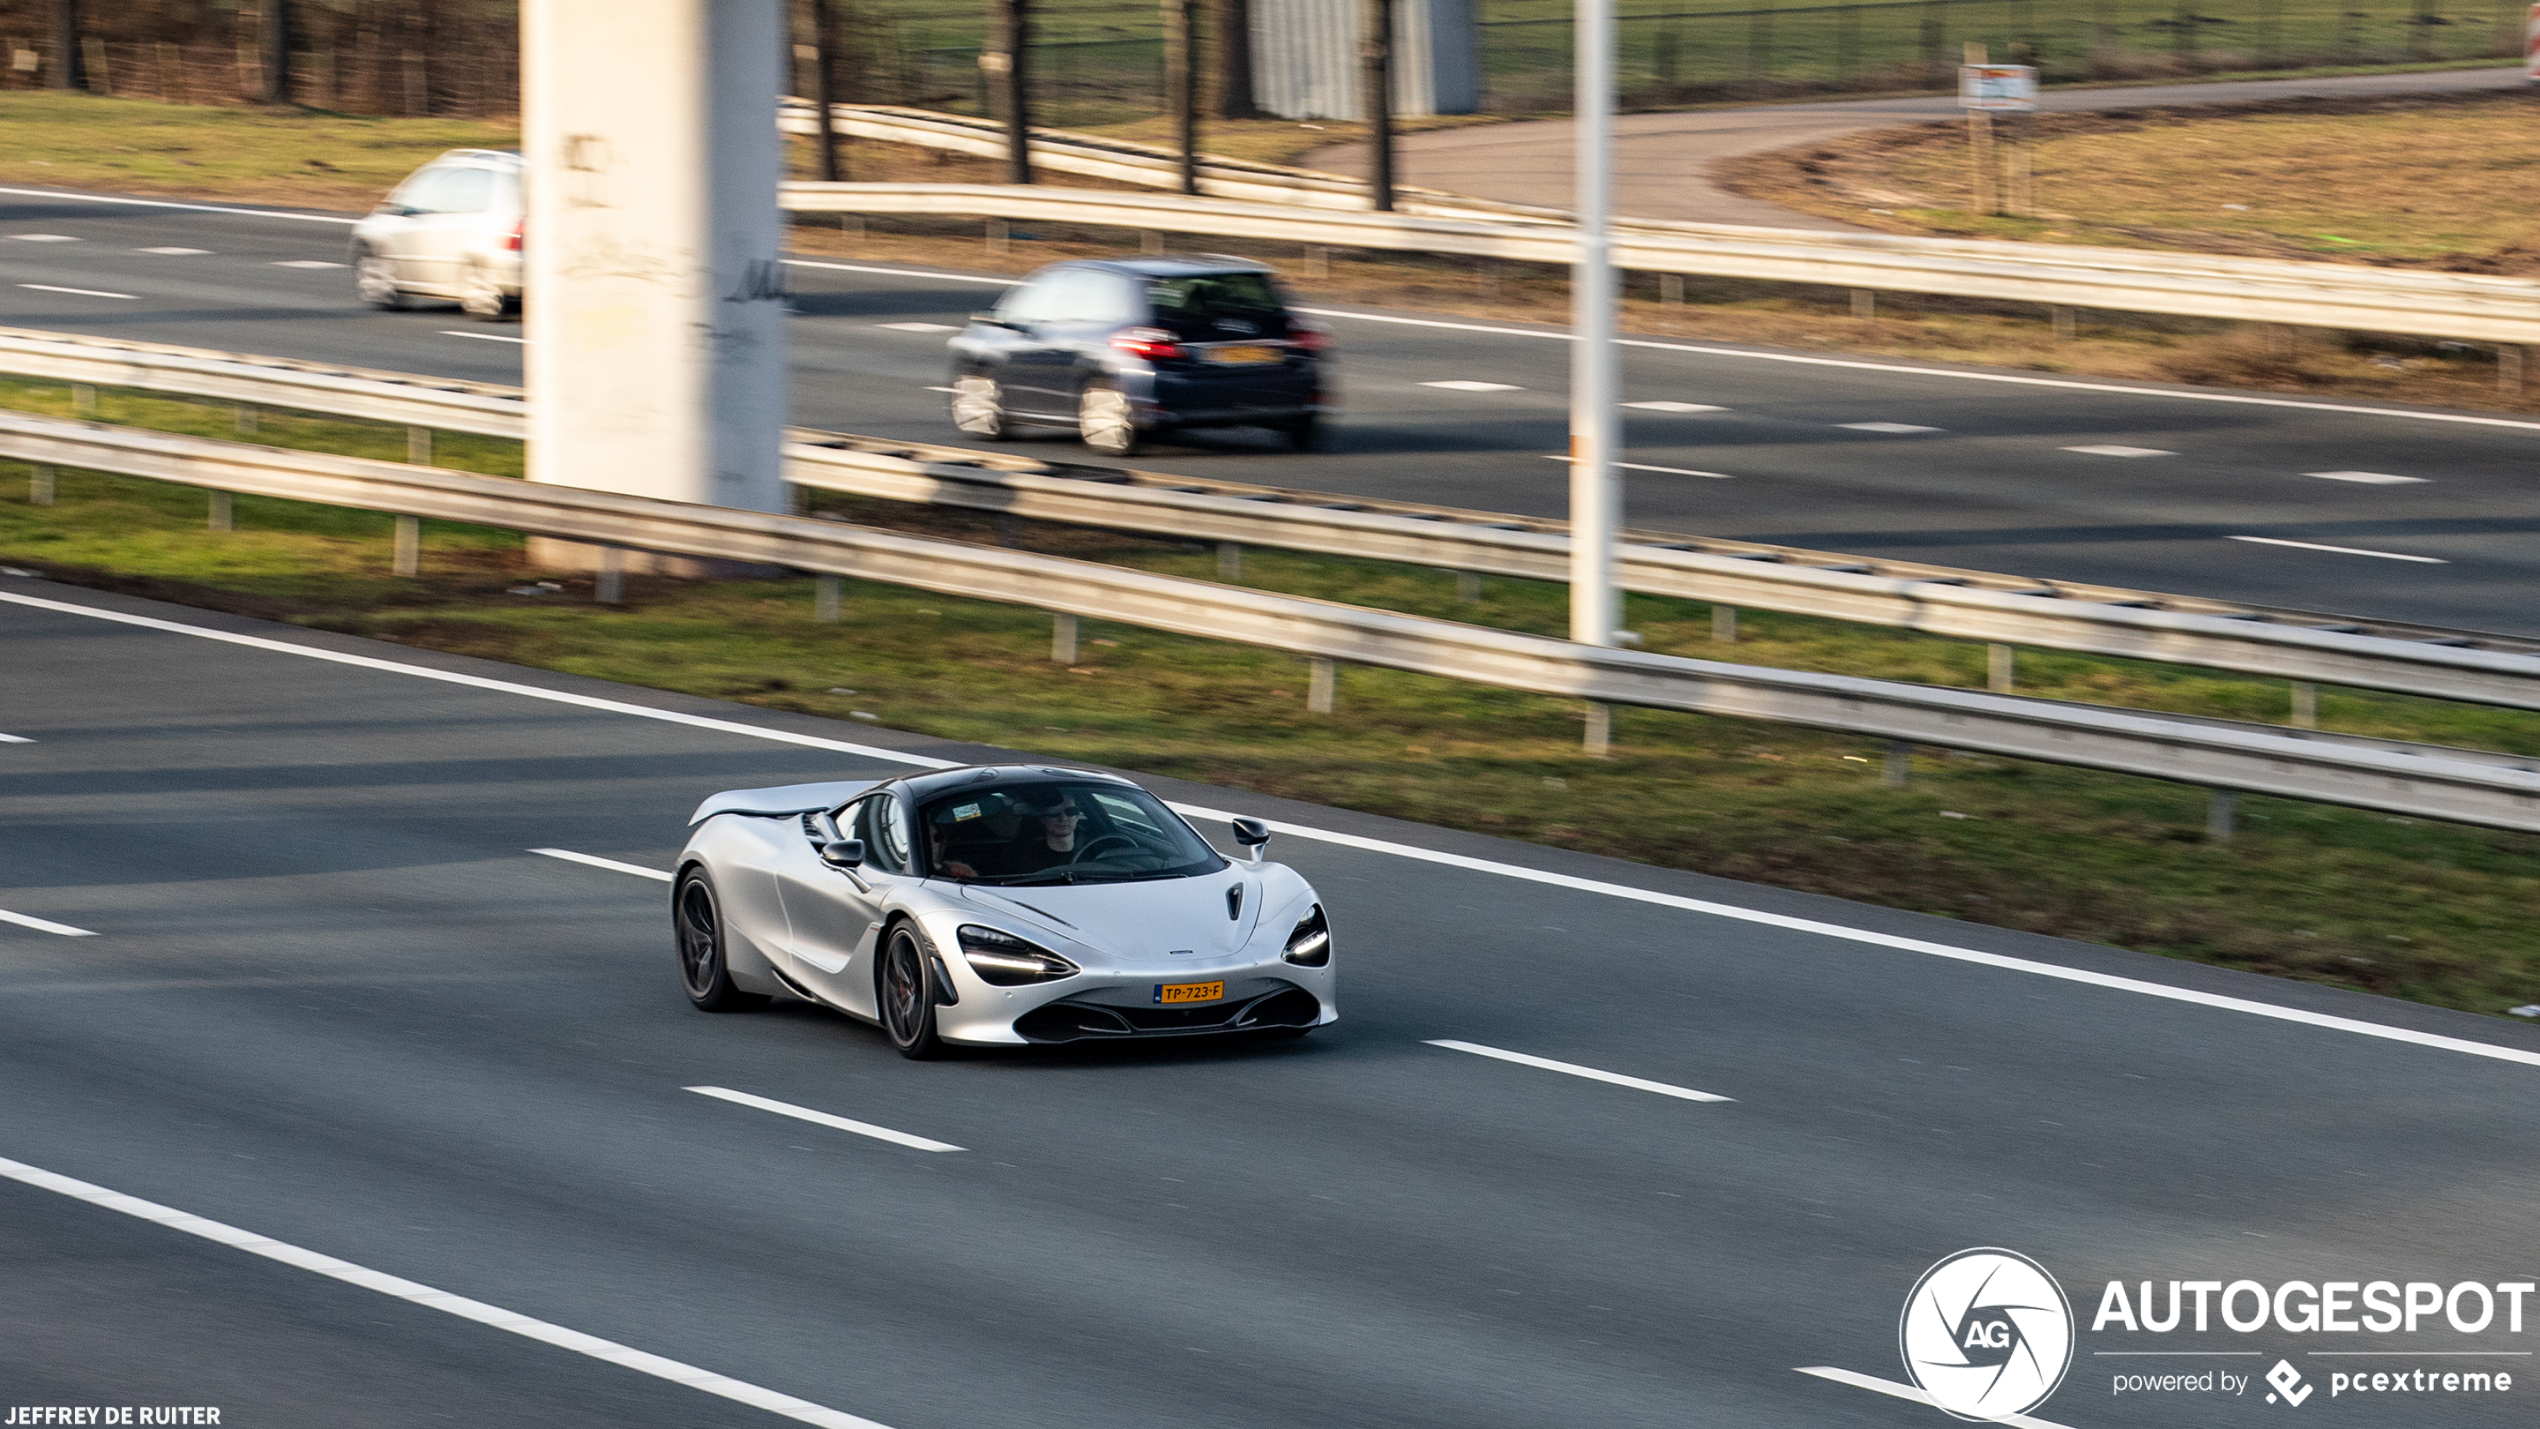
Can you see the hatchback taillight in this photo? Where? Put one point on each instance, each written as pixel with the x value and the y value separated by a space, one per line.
pixel 512 242
pixel 1152 343
pixel 1305 337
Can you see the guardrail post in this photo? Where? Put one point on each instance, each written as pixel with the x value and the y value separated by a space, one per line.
pixel 1900 763
pixel 418 446
pixel 409 546
pixel 2509 369
pixel 1599 740
pixel 1322 681
pixel 826 592
pixel 224 511
pixel 83 400
pixel 998 233
pixel 2062 318
pixel 1865 304
pixel 2001 668
pixel 1318 261
pixel 1151 242
pixel 1468 586
pixel 39 486
pixel 1230 561
pixel 1724 624
pixel 246 420
pixel 2222 815
pixel 611 586
pixel 1062 639
pixel 2306 705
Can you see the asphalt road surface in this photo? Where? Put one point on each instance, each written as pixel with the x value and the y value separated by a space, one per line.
pixel 2391 513
pixel 1664 163
pixel 329 1004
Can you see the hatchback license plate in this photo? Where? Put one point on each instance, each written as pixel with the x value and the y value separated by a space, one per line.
pixel 1242 356
pixel 1168 993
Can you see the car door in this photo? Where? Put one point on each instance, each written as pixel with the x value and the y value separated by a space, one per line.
pixel 453 209
pixel 401 237
pixel 836 914
pixel 1040 365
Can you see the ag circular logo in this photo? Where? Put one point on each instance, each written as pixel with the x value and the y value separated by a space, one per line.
pixel 1987 1333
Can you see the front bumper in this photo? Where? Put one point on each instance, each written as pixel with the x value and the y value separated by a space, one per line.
pixel 1120 1005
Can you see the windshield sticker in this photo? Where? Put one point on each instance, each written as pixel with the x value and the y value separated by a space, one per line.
pixel 966 811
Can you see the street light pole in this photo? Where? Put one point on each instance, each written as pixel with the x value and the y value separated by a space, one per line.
pixel 1596 497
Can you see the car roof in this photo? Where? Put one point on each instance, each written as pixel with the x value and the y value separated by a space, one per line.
pixel 1172 265
pixel 921 787
pixel 507 158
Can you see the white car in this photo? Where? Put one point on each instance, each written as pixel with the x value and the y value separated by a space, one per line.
pixel 453 230
pixel 993 905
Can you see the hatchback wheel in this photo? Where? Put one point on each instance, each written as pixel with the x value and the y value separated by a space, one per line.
pixel 978 408
pixel 481 298
pixel 375 278
pixel 908 995
pixel 1105 421
pixel 696 923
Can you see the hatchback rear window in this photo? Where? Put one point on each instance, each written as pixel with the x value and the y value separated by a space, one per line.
pixel 1217 306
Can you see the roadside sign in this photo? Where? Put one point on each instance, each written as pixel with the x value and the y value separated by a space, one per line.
pixel 2014 87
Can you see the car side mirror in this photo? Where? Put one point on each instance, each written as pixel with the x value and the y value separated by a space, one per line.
pixel 1254 835
pixel 992 320
pixel 842 853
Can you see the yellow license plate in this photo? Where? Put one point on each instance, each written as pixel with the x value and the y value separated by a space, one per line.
pixel 1169 993
pixel 1242 356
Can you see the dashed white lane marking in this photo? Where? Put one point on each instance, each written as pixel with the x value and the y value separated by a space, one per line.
pixel 82 292
pixel 44 925
pixel 1413 852
pixel 1907 1391
pixel 804 1113
pixel 188 207
pixel 1661 470
pixel 2112 450
pixel 1575 1070
pixel 43 238
pixel 15 739
pixel 1673 407
pixel 175 252
pixel 306 263
pixel 2341 550
pixel 486 337
pixel 1893 429
pixel 919 327
pixel 1468 385
pixel 2367 478
pixel 943 389
pixel 400 1288
pixel 612 865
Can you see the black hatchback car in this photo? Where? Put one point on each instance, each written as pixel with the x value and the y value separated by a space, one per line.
pixel 1122 347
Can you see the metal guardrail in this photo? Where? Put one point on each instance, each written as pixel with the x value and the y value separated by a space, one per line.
pixel 1939 600
pixel 2460 306
pixel 2413 780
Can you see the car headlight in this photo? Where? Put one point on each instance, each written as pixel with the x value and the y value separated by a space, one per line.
pixel 1004 960
pixel 1310 944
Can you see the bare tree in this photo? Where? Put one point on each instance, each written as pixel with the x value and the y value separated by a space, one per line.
pixel 69 70
pixel 273 44
pixel 1230 68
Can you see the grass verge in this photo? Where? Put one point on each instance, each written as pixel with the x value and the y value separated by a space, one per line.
pixel 2427 911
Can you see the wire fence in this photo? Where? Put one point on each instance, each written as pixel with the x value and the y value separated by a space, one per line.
pixel 1102 61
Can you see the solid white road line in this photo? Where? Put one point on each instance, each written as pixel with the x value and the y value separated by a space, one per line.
pixel 612 865
pixel 1907 1391
pixel 174 252
pixel 42 925
pixel 1673 407
pixel 1468 385
pixel 2368 478
pixel 43 238
pixel 2113 450
pixel 1575 1070
pixel 306 263
pixel 1893 429
pixel 2341 550
pixel 903 272
pixel 804 1113
pixel 15 739
pixel 1652 897
pixel 1858 365
pixel 397 1287
pixel 485 336
pixel 82 292
pixel 919 327
pixel 188 207
pixel 1662 470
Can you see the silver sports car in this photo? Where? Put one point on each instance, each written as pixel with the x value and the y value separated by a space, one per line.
pixel 995 904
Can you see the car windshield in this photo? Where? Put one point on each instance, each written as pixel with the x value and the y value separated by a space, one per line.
pixel 1213 306
pixel 1047 832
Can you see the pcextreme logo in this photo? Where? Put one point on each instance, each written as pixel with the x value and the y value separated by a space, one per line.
pixel 1987 1333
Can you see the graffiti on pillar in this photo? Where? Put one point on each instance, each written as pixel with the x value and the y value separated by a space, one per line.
pixel 585 162
pixel 762 280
